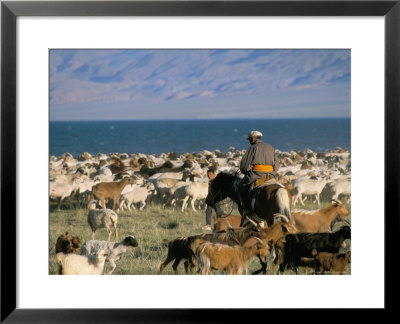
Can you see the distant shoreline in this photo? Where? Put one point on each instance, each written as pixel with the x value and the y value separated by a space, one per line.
pixel 339 150
pixel 197 119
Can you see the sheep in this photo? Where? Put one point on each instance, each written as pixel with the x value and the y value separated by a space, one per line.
pixel 103 178
pixel 67 243
pixel 319 220
pixel 166 167
pixel 75 264
pixel 230 259
pixel 166 175
pixel 308 187
pixel 102 218
pixel 63 190
pixel 85 189
pixel 104 171
pixel 65 178
pixel 109 190
pixel 340 187
pixel 113 249
pixel 195 190
pixel 162 187
pixel 128 188
pixel 137 195
pixel 170 192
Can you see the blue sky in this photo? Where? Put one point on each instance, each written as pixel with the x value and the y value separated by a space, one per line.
pixel 198 84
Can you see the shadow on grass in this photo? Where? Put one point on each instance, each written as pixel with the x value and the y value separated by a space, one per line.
pixel 169 225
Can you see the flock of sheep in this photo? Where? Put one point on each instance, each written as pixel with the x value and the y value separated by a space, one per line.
pixel 106 184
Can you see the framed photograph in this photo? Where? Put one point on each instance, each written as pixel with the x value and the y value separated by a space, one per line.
pixel 211 71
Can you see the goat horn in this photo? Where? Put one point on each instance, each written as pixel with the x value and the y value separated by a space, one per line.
pixel 258 239
pixel 229 224
pixel 336 201
pixel 251 221
pixel 258 219
pixel 283 217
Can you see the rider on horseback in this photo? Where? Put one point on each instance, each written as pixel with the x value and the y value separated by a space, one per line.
pixel 258 164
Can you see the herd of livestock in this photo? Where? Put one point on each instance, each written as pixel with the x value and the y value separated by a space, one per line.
pixel 106 184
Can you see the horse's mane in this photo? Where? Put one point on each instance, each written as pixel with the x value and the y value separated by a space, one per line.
pixel 226 175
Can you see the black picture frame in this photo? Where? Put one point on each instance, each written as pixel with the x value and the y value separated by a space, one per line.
pixel 10 10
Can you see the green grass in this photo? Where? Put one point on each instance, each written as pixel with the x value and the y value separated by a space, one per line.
pixel 149 226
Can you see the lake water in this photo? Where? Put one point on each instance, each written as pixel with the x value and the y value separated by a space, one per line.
pixel 188 136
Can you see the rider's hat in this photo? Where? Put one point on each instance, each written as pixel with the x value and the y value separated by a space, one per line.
pixel 255 134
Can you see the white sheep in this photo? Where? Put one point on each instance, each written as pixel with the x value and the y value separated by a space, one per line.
pixel 113 249
pixel 129 188
pixel 340 187
pixel 137 195
pixel 308 187
pixel 85 189
pixel 75 264
pixel 162 187
pixel 103 178
pixel 62 190
pixel 170 192
pixel 102 218
pixel 104 170
pixel 163 175
pixel 195 191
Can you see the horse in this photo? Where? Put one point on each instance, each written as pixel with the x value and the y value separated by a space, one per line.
pixel 271 199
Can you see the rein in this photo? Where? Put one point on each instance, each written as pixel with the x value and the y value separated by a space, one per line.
pixel 230 213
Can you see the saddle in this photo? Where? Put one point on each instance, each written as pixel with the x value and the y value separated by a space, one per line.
pixel 259 185
pixel 265 180
pixel 256 188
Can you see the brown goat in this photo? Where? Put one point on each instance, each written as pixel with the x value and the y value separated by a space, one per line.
pixel 117 167
pixel 279 253
pixel 273 234
pixel 67 243
pixel 109 190
pixel 226 222
pixel 334 263
pixel 184 247
pixel 317 221
pixel 230 259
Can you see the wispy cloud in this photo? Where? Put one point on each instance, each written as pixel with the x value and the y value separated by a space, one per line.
pixel 132 78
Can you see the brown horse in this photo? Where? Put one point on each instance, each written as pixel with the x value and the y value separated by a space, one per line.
pixel 271 199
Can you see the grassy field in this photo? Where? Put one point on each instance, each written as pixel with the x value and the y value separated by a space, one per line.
pixel 149 226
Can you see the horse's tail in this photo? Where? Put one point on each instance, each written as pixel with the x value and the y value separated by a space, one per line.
pixel 283 202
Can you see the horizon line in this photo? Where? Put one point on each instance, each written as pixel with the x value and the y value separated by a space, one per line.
pixel 195 119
